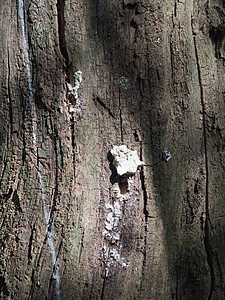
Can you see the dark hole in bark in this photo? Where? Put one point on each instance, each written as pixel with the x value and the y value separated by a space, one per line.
pixel 196 187
pixel 114 176
pixel 3 286
pixel 130 6
pixel 123 184
pixel 16 201
pixel 217 34
pixel 136 137
pixel 133 24
pixel 135 56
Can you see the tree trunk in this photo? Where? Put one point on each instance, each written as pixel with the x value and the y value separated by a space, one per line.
pixel 153 80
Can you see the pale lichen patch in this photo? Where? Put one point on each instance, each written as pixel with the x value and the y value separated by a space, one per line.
pixel 113 248
pixel 73 90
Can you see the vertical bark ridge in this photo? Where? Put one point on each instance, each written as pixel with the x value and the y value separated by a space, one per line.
pixel 4 166
pixel 68 64
pixel 121 119
pixel 61 30
pixel 103 287
pixel 35 271
pixel 146 215
pixel 207 244
pixel 10 98
pixel 49 235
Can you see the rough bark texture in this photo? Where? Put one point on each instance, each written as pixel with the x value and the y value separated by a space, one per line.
pixel 153 79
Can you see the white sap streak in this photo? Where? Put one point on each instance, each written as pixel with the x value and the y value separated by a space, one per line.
pixel 50 236
pixel 31 96
pixel 46 214
pixel 49 228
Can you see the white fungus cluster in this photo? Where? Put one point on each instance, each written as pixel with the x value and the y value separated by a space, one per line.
pixel 72 90
pixel 126 161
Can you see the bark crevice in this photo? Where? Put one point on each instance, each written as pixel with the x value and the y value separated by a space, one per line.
pixel 172 63
pixel 97 101
pixel 146 216
pixel 121 119
pixel 73 145
pixel 55 195
pixel 62 39
pixel 207 244
pixel 3 286
pixel 103 287
pixel 30 243
pixel 81 246
pixel 10 98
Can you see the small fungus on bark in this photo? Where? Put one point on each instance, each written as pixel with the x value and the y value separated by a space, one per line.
pixel 125 161
pixel 166 155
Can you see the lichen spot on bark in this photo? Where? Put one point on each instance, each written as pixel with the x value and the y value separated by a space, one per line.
pixel 73 90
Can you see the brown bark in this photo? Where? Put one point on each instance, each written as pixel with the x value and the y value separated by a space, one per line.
pixel 153 79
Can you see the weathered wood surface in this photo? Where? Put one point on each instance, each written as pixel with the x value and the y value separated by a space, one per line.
pixel 153 79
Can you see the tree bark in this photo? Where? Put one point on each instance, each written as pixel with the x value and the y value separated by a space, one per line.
pixel 153 80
